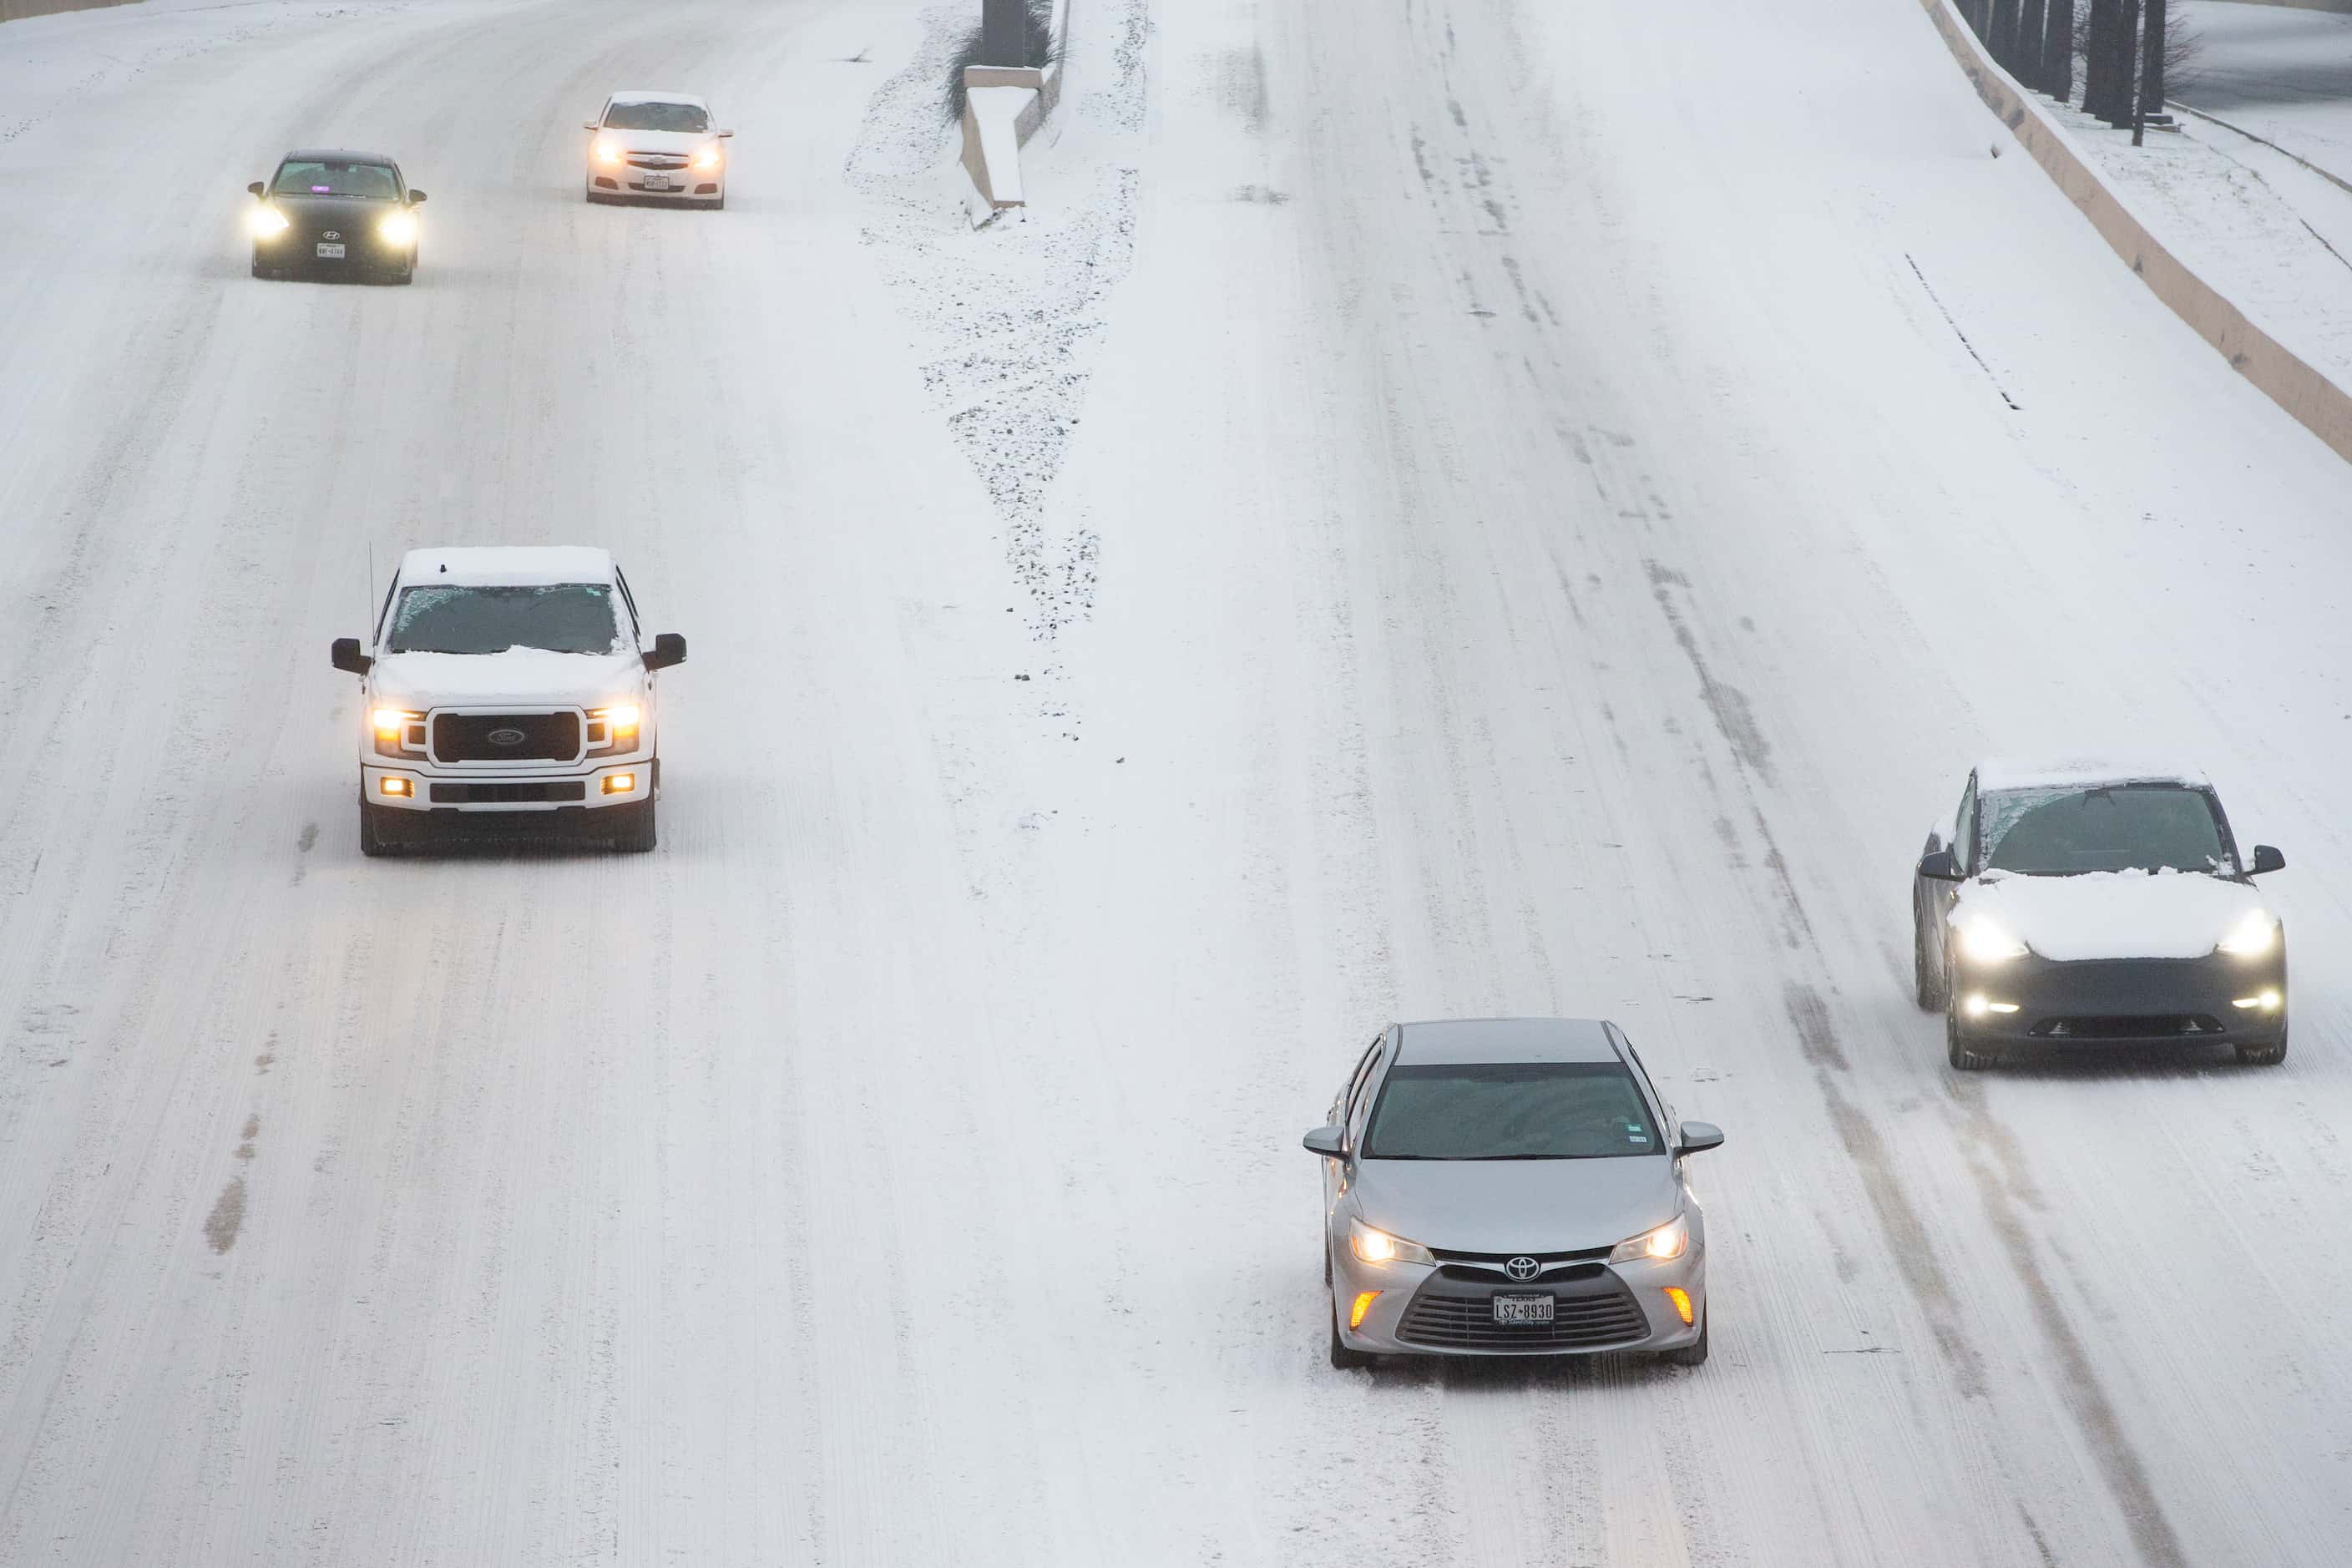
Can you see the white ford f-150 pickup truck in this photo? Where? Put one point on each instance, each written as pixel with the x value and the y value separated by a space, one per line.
pixel 507 689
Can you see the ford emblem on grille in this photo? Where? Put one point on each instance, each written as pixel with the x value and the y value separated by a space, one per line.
pixel 506 737
pixel 329 234
pixel 1518 1267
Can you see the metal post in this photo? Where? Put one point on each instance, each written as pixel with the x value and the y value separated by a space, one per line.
pixel 1001 30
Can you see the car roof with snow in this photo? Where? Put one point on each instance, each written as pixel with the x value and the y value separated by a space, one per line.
pixel 656 95
pixel 1997 774
pixel 336 155
pixel 520 565
pixel 1506 1040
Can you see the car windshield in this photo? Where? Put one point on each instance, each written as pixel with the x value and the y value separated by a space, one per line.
pixel 2114 828
pixel 561 617
pixel 1509 1110
pixel 336 179
pixel 651 115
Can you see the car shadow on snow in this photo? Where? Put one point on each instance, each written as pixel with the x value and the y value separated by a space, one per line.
pixel 1469 1373
pixel 2095 1064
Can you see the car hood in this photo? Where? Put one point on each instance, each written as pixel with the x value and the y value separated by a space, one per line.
pixel 1517 1205
pixel 334 212
pixel 2112 914
pixel 520 677
pixel 661 141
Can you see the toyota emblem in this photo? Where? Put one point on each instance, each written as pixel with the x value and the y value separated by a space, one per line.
pixel 506 737
pixel 331 234
pixel 1521 1267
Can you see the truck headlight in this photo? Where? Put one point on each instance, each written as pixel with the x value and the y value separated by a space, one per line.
pixel 266 221
pixel 399 732
pixel 613 728
pixel 397 229
pixel 1670 1240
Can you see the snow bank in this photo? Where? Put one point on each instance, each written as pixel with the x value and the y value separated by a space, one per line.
pixel 2317 403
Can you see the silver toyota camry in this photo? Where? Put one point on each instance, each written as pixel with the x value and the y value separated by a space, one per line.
pixel 1509 1186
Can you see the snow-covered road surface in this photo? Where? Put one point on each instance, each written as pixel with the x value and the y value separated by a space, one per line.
pixel 1575 488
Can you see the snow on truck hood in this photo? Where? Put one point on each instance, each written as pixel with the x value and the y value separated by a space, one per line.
pixel 1516 1206
pixel 2112 914
pixel 519 675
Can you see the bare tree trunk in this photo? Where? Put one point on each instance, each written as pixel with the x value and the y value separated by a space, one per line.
pixel 2058 51
pixel 2105 82
pixel 2028 69
pixel 2153 52
pixel 2124 79
pixel 2004 34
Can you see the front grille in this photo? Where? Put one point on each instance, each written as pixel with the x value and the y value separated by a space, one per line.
pixel 657 161
pixel 1499 1258
pixel 545 737
pixel 1552 1271
pixel 2128 1026
pixel 1579 1323
pixel 508 793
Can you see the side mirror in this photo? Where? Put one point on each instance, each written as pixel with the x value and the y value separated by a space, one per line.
pixel 1937 865
pixel 1327 1141
pixel 669 648
pixel 2266 859
pixel 414 195
pixel 1697 1138
pixel 346 655
pixel 253 189
pixel 724 134
pixel 592 125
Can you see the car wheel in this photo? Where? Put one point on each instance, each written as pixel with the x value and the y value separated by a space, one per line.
pixel 1956 1049
pixel 375 843
pixel 2268 1056
pixel 261 271
pixel 1342 1358
pixel 1692 1353
pixel 1927 978
pixel 720 205
pixel 638 832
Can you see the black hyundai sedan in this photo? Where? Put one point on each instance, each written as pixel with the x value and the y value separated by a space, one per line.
pixel 335 213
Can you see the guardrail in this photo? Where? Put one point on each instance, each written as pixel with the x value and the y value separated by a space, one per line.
pixel 2314 402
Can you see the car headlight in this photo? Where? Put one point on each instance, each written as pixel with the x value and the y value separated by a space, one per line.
pixel 399 732
pixel 2251 937
pixel 708 158
pixel 1671 1239
pixel 1378 1247
pixel 266 221
pixel 1982 941
pixel 397 229
pixel 608 151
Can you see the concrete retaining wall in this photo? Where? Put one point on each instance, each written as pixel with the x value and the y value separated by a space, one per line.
pixel 2317 403
pixel 1003 106
pixel 16 10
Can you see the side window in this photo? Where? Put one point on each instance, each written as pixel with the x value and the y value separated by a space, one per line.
pixel 383 616
pixel 635 630
pixel 1359 1101
pixel 1964 828
pixel 1665 1111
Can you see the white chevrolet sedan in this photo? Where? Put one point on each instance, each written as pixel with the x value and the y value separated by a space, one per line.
pixel 656 146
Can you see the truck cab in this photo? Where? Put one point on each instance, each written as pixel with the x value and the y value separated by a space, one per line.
pixel 508 690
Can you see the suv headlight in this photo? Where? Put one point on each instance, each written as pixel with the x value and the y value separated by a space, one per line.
pixel 1982 941
pixel 1372 1246
pixel 613 728
pixel 2251 937
pixel 399 732
pixel 1671 1239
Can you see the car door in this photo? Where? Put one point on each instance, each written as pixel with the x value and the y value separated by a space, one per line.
pixel 1932 900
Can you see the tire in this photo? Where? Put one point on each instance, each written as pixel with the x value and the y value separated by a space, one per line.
pixel 2268 1056
pixel 720 205
pixel 638 831
pixel 261 271
pixel 375 843
pixel 1959 1052
pixel 1694 1353
pixel 1342 1358
pixel 1927 986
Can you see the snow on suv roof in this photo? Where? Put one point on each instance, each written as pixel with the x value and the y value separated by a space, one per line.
pixel 655 95
pixel 1507 1040
pixel 2081 772
pixel 517 565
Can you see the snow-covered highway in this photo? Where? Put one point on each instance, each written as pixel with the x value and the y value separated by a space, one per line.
pixel 1573 488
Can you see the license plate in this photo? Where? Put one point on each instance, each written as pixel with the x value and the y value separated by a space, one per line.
pixel 330 252
pixel 1523 1309
pixel 656 181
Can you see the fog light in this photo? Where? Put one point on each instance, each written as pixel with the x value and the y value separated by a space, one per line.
pixel 1363 1305
pixel 1975 1006
pixel 395 787
pixel 1681 1299
pixel 2003 1006
pixel 620 783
